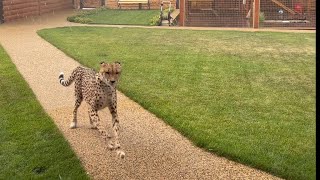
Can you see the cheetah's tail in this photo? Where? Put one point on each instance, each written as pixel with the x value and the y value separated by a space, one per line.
pixel 62 81
pixel 61 78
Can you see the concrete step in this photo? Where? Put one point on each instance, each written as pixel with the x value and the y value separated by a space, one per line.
pixel 165 23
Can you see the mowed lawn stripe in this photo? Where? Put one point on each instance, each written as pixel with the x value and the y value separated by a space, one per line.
pixel 31 146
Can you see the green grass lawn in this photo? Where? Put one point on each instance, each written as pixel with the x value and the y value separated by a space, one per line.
pixel 116 16
pixel 31 147
pixel 248 96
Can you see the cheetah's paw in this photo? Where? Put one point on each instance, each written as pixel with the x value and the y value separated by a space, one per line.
pixel 117 146
pixel 108 135
pixel 121 154
pixel 111 146
pixel 73 125
pixel 93 127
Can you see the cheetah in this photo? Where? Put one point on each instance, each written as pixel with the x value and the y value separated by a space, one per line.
pixel 99 91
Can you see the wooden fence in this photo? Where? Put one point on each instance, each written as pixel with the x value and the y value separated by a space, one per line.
pixel 15 9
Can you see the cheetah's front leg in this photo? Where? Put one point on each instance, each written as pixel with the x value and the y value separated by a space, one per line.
pixel 94 118
pixel 94 126
pixel 115 127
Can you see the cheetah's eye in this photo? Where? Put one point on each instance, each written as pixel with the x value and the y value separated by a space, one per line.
pixel 107 72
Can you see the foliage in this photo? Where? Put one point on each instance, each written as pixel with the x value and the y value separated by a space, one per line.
pixel 155 21
pixel 261 17
pixel 82 20
pixel 82 16
pixel 165 13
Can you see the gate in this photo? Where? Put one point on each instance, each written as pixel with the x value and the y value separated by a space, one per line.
pixel 91 3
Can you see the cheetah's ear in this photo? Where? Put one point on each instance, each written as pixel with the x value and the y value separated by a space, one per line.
pixel 117 62
pixel 103 64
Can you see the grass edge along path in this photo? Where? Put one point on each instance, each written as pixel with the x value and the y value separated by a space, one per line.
pixel 31 147
pixel 260 105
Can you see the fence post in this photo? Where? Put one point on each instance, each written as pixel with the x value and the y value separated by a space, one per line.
pixel 182 12
pixel 1 12
pixel 81 4
pixel 39 8
pixel 256 13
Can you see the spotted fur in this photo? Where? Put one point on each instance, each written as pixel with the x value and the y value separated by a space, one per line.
pixel 99 91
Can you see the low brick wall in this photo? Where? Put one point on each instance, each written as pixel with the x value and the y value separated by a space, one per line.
pixel 16 9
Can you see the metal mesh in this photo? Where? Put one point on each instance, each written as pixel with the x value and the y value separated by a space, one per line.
pixel 239 13
pixel 219 13
pixel 288 13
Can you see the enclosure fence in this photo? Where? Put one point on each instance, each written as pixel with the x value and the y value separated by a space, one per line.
pixel 245 13
pixel 212 13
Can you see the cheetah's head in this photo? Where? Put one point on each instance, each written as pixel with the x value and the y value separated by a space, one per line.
pixel 110 72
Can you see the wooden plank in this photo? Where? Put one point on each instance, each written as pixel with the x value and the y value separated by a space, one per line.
pixel 19 16
pixel 33 10
pixel 283 6
pixel 132 2
pixel 53 7
pixel 20 6
pixel 201 1
pixel 14 2
pixel 256 13
pixel 48 3
pixel 182 13
pixel 141 1
pixel 91 3
pixel 175 13
pixel 16 9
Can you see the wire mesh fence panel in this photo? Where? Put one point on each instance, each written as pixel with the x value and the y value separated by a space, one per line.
pixel 287 13
pixel 239 13
pixel 218 13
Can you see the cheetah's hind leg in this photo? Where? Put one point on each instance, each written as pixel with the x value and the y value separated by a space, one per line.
pixel 73 123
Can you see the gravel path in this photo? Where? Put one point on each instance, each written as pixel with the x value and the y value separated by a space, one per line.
pixel 153 149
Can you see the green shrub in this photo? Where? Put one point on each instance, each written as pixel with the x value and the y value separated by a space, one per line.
pixel 81 16
pixel 167 10
pixel 71 18
pixel 261 17
pixel 82 20
pixel 155 21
